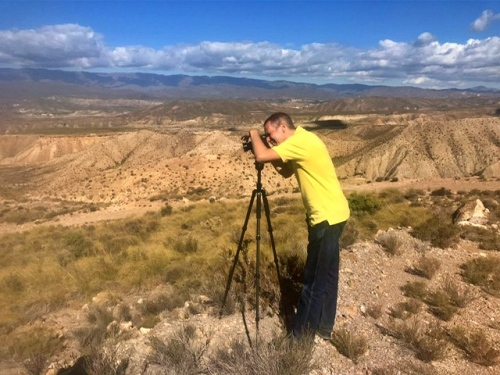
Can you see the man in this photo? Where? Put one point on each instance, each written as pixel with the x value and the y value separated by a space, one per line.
pixel 300 152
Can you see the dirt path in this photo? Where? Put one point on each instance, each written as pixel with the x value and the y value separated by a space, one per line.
pixel 114 212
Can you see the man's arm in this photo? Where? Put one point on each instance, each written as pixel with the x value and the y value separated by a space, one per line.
pixel 263 154
pixel 284 169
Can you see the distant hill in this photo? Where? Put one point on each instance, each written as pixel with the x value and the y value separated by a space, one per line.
pixel 15 83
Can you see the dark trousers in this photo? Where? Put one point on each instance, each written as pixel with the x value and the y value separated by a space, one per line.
pixel 318 302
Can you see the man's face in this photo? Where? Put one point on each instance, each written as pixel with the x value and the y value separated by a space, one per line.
pixel 274 135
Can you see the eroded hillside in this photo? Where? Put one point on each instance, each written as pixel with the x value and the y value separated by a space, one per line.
pixel 193 148
pixel 433 149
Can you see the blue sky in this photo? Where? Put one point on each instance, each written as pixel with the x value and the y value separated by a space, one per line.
pixel 434 44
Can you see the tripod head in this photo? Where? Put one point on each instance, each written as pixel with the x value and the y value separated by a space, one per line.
pixel 259 166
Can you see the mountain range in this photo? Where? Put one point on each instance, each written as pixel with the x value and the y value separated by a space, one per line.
pixel 29 81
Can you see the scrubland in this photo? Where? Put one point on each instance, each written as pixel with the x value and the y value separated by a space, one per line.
pixel 183 252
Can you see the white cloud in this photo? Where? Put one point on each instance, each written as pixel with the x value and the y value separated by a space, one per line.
pixel 423 62
pixel 52 46
pixel 486 18
pixel 424 39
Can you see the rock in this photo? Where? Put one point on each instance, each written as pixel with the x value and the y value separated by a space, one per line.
pixel 471 213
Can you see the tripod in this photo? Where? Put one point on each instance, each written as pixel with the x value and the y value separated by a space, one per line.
pixel 260 194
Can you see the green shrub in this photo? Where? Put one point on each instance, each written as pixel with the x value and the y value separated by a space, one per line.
pixel 441 192
pixel 438 230
pixel 363 204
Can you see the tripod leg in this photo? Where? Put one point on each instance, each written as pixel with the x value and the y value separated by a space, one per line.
pixel 270 230
pixel 240 245
pixel 257 265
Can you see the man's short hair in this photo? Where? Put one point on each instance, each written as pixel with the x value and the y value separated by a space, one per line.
pixel 280 118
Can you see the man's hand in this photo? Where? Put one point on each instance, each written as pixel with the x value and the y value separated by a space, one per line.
pixel 263 154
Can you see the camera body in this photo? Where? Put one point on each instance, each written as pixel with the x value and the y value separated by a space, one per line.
pixel 247 142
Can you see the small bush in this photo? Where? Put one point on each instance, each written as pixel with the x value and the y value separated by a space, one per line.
pixel 427 342
pixel 186 246
pixel 350 344
pixel 404 310
pixel 475 345
pixel 459 296
pixel 12 283
pixel 180 354
pixel 440 305
pixel 487 239
pixel 417 290
pixel 438 230
pixel 166 210
pixel 78 244
pixel 33 349
pixel 282 355
pixel 391 243
pixel 441 192
pixel 426 267
pixel 375 311
pixel 432 345
pixel 157 303
pixel 413 194
pixel 483 272
pixel 363 204
pixel 392 195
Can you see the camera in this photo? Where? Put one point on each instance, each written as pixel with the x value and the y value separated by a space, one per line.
pixel 247 142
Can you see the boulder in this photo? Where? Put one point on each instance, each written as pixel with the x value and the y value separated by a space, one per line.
pixel 471 213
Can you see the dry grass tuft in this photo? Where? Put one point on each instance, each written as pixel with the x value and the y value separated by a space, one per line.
pixel 406 309
pixel 281 355
pixel 483 272
pixel 391 243
pixel 349 343
pixel 425 267
pixel 375 311
pixel 180 354
pixel 417 290
pixel 428 342
pixel 34 348
pixel 475 345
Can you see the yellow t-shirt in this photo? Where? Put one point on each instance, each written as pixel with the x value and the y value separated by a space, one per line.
pixel 321 192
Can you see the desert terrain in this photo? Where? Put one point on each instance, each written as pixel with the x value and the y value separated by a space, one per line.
pixel 77 161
